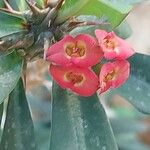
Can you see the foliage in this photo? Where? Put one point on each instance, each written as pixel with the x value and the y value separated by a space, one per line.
pixel 10 72
pixel 18 130
pixel 26 31
pixel 77 122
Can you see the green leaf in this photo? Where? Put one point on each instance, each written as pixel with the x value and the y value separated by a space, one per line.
pixel 115 10
pixel 40 3
pixel 84 30
pixel 18 133
pixel 22 6
pixel 1 115
pixel 140 66
pixel 10 72
pixel 102 24
pixel 131 142
pixel 121 126
pixel 137 89
pixel 123 30
pixel 129 2
pixel 1 4
pixel 10 24
pixel 10 41
pixel 1 112
pixel 137 93
pixel 79 123
pixel 19 5
pixel 70 8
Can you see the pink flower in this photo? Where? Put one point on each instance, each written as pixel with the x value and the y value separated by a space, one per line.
pixel 82 50
pixel 113 46
pixel 79 80
pixel 113 74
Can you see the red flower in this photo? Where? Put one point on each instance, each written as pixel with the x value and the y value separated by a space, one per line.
pixel 81 50
pixel 113 74
pixel 79 80
pixel 113 46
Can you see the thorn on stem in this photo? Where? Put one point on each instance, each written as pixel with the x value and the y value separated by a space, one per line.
pixel 11 11
pixel 46 3
pixel 59 4
pixel 7 5
pixel 35 10
pixel 1 42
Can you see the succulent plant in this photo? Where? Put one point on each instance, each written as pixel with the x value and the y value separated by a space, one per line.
pixel 35 27
pixel 30 29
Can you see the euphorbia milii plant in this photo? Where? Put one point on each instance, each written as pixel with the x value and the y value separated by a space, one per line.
pixel 113 74
pixel 81 65
pixel 82 81
pixel 78 54
pixel 113 46
pixel 82 50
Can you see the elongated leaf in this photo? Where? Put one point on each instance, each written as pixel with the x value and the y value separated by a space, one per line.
pixel 16 39
pixel 19 5
pixel 131 142
pixel 70 8
pixel 140 66
pixel 101 23
pixel 114 10
pixel 1 4
pixel 40 3
pixel 86 30
pixel 123 30
pixel 121 126
pixel 22 6
pixel 137 93
pixel 129 2
pixel 1 115
pixel 79 123
pixel 10 72
pixel 137 89
pixel 10 24
pixel 1 112
pixel 18 131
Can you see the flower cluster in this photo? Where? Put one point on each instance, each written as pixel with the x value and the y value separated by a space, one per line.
pixel 72 60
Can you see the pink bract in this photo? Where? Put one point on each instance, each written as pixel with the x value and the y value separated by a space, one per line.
pixel 82 81
pixel 113 46
pixel 82 50
pixel 113 74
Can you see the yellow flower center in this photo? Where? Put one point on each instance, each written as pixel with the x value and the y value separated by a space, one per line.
pixel 75 49
pixel 109 76
pixel 109 43
pixel 74 78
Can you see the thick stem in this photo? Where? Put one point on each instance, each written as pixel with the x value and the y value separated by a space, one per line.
pixel 51 16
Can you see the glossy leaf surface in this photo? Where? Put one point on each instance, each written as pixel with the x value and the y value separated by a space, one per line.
pixel 1 4
pixel 40 3
pixel 79 123
pixel 137 89
pixel 19 5
pixel 1 112
pixel 10 72
pixel 116 11
pixel 18 133
pixel 10 24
